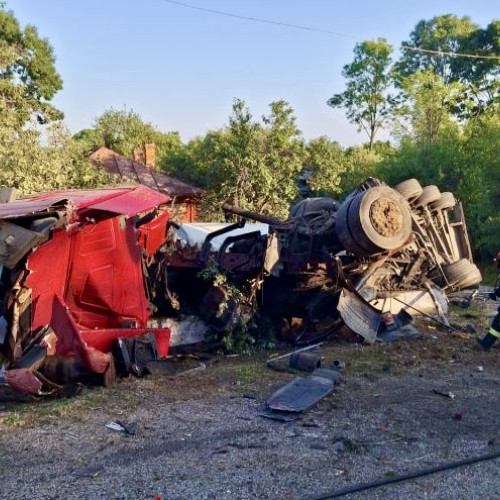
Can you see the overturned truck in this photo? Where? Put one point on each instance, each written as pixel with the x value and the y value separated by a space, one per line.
pixel 90 279
pixel 380 250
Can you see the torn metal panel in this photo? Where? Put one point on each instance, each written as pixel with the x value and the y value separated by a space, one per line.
pixel 189 331
pixel 420 299
pixel 23 380
pixel 70 340
pixel 152 234
pixel 16 242
pixel 99 276
pixel 27 207
pixel 359 315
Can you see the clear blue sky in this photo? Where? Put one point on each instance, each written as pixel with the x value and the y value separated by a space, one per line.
pixel 181 69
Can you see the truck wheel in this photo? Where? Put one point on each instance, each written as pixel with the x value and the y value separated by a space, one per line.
pixel 430 194
pixel 344 233
pixel 474 278
pixel 462 273
pixel 380 219
pixel 446 202
pixel 410 189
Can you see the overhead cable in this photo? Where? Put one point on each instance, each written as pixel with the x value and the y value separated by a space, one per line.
pixel 321 30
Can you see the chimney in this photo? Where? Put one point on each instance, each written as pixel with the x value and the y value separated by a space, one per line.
pixel 139 155
pixel 150 154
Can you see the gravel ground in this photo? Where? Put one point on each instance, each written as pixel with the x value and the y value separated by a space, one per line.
pixel 201 436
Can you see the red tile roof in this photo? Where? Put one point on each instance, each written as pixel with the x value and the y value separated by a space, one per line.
pixel 116 164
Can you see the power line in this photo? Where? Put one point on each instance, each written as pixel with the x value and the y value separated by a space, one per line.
pixel 320 30
pixel 258 19
pixel 451 54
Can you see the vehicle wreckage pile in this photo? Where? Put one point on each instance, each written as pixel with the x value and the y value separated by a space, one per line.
pixel 100 282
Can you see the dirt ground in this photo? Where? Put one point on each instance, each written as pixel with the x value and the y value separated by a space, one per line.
pixel 201 436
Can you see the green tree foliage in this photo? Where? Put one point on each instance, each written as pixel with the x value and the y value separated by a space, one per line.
pixel 28 77
pixel 480 181
pixel 368 80
pixel 324 167
pixel 31 167
pixel 124 130
pixel 36 151
pixel 447 33
pixel 454 36
pixel 428 105
pixel 360 163
pixel 253 164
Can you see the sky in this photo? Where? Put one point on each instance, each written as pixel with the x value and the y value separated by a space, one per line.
pixel 181 68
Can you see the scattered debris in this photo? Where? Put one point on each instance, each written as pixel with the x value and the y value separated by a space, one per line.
pixel 304 392
pixel 128 429
pixel 305 361
pixel 448 395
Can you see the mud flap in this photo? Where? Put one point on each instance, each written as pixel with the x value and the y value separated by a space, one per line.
pixel 303 393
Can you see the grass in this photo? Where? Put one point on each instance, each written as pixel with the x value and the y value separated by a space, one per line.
pixel 490 273
pixel 238 376
pixel 31 413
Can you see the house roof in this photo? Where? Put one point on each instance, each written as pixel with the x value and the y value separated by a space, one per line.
pixel 129 201
pixel 116 164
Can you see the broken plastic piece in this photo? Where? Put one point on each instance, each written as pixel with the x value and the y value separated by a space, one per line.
pixel 304 392
pixel 128 428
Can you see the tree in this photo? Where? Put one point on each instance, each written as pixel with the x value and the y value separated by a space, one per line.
pixel 437 45
pixel 28 77
pixel 446 33
pixel 428 105
pixel 124 130
pixel 250 163
pixel 324 166
pixel 366 99
pixel 28 81
pixel 31 167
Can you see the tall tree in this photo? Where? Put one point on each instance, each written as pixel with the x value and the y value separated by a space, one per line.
pixel 428 105
pixel 437 45
pixel 366 99
pixel 28 77
pixel 124 130
pixel 30 166
pixel 324 166
pixel 250 163
pixel 447 33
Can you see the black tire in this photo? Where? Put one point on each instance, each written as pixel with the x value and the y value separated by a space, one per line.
pixel 313 205
pixel 343 231
pixel 446 202
pixel 410 189
pixel 430 194
pixel 380 219
pixel 473 279
pixel 462 273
